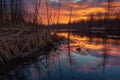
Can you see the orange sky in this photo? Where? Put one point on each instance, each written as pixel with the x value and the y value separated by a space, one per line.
pixel 80 10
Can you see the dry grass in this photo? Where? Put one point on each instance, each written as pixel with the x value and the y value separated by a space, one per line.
pixel 17 41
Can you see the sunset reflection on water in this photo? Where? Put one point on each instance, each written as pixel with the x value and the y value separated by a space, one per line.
pixel 98 59
pixel 84 42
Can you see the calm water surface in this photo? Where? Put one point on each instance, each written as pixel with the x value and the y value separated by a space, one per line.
pixel 98 59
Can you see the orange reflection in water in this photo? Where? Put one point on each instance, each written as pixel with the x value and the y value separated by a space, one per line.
pixel 81 41
pixel 110 46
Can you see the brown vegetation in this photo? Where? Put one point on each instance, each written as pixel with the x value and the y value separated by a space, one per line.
pixel 17 41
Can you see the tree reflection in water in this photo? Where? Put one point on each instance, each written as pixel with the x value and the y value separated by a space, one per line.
pixel 66 63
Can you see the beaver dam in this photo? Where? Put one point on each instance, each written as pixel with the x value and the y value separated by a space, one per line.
pixel 18 42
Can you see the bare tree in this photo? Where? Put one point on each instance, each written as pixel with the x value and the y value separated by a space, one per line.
pixel 1 11
pixel 36 13
pixel 110 9
pixel 18 11
pixel 4 11
pixel 12 2
pixel 117 15
pixel 69 25
pixel 59 9
pixel 47 12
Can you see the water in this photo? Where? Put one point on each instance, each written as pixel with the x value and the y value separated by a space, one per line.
pixel 98 59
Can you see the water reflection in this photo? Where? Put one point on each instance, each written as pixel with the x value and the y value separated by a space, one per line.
pixel 96 60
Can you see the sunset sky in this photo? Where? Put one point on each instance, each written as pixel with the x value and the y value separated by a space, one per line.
pixel 81 9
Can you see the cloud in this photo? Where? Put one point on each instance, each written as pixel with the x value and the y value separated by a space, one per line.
pixel 81 9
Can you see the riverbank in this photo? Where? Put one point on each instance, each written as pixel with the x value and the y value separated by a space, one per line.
pixel 19 42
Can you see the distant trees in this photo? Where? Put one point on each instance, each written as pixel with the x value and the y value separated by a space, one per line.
pixel 58 16
pixel 110 9
pixel 91 19
pixel 12 4
pixel 35 14
pixel 17 10
pixel 48 12
pixel 1 12
pixel 12 11
pixel 59 9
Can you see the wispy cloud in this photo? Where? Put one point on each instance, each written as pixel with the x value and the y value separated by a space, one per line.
pixel 81 9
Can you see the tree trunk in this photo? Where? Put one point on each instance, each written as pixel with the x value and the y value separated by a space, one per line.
pixel 1 12
pixel 12 11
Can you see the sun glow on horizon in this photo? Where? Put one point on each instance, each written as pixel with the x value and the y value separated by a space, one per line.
pixel 79 11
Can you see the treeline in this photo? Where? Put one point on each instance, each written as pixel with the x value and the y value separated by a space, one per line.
pixel 85 26
pixel 15 12
pixel 11 11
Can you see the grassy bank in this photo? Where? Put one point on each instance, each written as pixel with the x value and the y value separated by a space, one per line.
pixel 19 42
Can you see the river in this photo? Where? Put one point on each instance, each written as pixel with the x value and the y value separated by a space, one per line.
pixel 82 59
